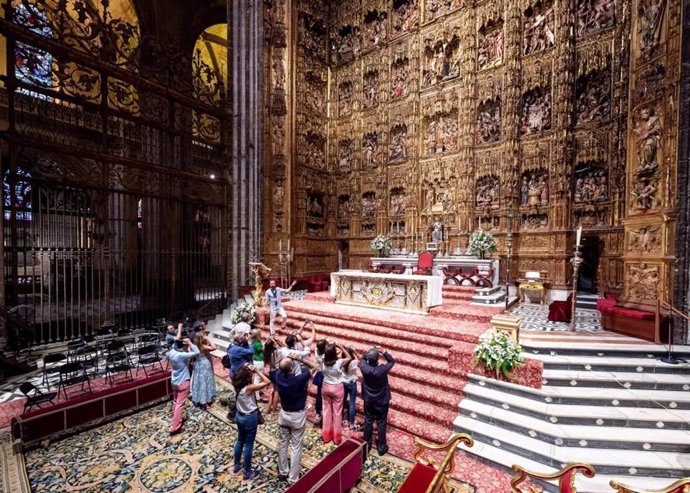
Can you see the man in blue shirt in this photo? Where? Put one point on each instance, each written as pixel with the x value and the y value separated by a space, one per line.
pixel 275 306
pixel 293 416
pixel 179 355
pixel 376 394
pixel 240 353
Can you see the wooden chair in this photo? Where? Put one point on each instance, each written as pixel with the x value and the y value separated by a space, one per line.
pixel 426 476
pixel 680 486
pixel 373 268
pixel 483 278
pixel 450 274
pixel 398 269
pixel 425 263
pixel 565 477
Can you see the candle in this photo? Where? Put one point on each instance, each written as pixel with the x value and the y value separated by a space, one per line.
pixel 579 235
pixel 280 245
pixel 289 250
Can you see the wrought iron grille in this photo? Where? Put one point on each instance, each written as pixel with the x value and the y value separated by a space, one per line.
pixel 113 158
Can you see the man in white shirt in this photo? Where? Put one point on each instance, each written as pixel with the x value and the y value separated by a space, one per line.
pixel 242 327
pixel 275 305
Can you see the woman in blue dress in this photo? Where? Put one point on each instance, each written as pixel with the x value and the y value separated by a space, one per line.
pixel 203 378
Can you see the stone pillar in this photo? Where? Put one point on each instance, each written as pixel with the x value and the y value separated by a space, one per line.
pixel 245 35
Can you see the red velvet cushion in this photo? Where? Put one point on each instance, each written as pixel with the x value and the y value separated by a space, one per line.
pixel 419 479
pixel 606 305
pixel 632 313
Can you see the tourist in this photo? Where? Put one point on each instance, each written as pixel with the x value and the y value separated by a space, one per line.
pixel 301 343
pixel 350 393
pixel 203 378
pixel 258 347
pixel 246 418
pixel 170 335
pixel 240 353
pixel 332 392
pixel 376 394
pixel 290 349
pixel 182 352
pixel 275 305
pixel 318 379
pixel 293 416
pixel 271 363
pixel 242 327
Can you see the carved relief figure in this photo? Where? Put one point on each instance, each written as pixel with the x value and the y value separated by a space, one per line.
pixel 650 16
pixel 594 16
pixel 441 133
pixel 645 240
pixel 591 184
pixel 345 98
pixel 313 35
pixel 375 32
pixel 648 135
pixel 315 213
pixel 538 34
pixel 278 199
pixel 315 95
pixel 370 89
pixel 591 218
pixel 345 155
pixel 315 150
pixel 593 93
pixel 643 281
pixel 400 78
pixel 533 222
pixel 437 8
pixel 398 144
pixel 370 151
pixel 343 214
pixel 489 122
pixel 441 60
pixel 534 189
pixel 490 45
pixel 536 111
pixel 437 230
pixel 368 212
pixel 644 194
pixel 405 16
pixel 487 192
pixel 397 199
pixel 346 44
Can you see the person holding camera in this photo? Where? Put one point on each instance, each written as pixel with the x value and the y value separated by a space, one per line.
pixel 180 354
pixel 240 353
pixel 332 391
pixel 376 394
pixel 350 390
pixel 292 419
pixel 246 417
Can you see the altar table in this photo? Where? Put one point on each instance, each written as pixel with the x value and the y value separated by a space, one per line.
pixel 400 292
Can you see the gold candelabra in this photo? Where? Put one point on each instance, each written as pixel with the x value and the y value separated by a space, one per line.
pixel 576 261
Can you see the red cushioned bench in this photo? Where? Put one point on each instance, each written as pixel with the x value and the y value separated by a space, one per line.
pixel 337 472
pixel 631 321
pixel 78 412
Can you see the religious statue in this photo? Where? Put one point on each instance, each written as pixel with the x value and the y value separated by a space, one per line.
pixel 591 184
pixel 645 195
pixel 399 77
pixel 261 273
pixel 489 122
pixel 441 134
pixel 441 62
pixel 315 206
pixel 487 192
pixel 536 111
pixel 345 98
pixel 650 14
pixel 490 46
pixel 398 145
pixel 593 96
pixel 278 198
pixel 594 16
pixel 398 204
pixel 347 44
pixel 375 31
pixel 429 201
pixel 437 8
pixel 345 156
pixel 405 16
pixel 437 231
pixel 370 145
pixel 538 29
pixel 370 89
pixel 648 132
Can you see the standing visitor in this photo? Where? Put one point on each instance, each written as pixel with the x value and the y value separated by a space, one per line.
pixel 293 416
pixel 203 378
pixel 242 327
pixel 376 394
pixel 240 353
pixel 318 379
pixel 182 351
pixel 246 418
pixel 350 393
pixel 275 305
pixel 258 348
pixel 332 392
pixel 271 363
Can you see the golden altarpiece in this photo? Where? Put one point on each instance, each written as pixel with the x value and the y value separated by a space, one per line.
pixel 384 116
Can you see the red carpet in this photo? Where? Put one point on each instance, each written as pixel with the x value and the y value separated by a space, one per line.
pixel 426 389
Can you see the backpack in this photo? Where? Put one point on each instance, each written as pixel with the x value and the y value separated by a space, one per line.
pixel 225 361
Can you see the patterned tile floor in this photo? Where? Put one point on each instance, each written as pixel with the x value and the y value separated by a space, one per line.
pixel 536 318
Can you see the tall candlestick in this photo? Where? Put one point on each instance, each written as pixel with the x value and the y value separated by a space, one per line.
pixel 579 235
pixel 280 245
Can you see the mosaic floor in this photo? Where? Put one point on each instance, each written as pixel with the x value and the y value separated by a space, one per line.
pixel 536 317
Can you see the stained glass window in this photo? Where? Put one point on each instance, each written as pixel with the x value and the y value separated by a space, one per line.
pixel 32 65
pixel 22 199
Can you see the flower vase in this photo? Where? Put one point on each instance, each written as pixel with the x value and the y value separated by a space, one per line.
pixel 481 254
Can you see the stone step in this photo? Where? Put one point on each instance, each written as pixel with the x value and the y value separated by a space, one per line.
pixel 588 349
pixel 616 364
pixel 616 380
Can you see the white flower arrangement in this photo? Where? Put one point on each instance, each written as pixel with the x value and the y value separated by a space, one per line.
pixel 236 315
pixel 497 352
pixel 381 244
pixel 482 242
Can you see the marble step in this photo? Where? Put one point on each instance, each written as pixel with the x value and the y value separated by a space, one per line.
pixel 612 437
pixel 623 364
pixel 498 457
pixel 592 349
pixel 617 397
pixel 606 461
pixel 616 380
pixel 583 415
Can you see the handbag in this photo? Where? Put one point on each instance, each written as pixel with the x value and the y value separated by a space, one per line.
pixel 260 417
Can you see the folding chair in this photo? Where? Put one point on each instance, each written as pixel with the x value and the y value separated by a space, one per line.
pixel 37 398
pixel 117 361
pixel 72 374
pixel 51 359
pixel 148 355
